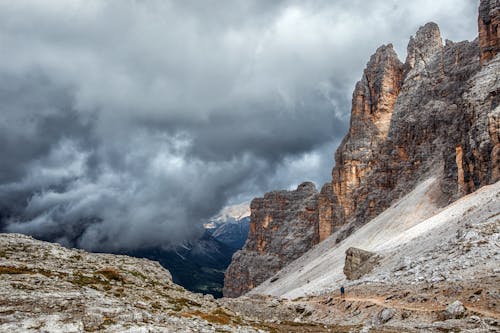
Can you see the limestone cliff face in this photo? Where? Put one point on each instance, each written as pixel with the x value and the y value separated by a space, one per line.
pixel 283 226
pixel 489 30
pixel 372 106
pixel 438 113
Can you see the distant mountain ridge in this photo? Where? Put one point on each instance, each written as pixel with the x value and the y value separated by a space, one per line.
pixel 199 265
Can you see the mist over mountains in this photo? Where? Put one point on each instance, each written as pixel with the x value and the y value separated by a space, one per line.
pixel 128 125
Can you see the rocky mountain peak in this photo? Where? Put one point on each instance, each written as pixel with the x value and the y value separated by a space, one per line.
pixel 375 94
pixel 489 30
pixel 308 187
pixel 434 116
pixel 426 44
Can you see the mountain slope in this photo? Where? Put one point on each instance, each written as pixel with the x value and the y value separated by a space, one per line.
pixel 417 240
pixel 45 287
pixel 436 114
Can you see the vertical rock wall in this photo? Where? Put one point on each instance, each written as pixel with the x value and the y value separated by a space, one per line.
pixel 284 225
pixel 438 113
pixel 489 30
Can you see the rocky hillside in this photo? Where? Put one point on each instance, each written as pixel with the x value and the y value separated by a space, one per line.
pixel 422 268
pixel 283 226
pixel 436 114
pixel 47 288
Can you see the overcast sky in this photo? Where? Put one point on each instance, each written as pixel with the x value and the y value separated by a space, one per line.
pixel 128 123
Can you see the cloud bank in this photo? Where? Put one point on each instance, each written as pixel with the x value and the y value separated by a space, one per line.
pixel 126 124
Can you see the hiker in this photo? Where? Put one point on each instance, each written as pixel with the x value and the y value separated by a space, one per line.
pixel 342 291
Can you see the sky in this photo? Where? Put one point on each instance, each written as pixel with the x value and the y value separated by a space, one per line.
pixel 127 124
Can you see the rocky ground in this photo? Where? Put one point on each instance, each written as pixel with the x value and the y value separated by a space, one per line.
pixel 48 288
pixel 435 114
pixel 436 274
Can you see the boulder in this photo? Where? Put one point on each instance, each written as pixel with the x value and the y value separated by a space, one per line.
pixel 359 262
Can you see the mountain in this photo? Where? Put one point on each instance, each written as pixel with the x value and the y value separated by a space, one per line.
pixel 234 233
pixel 417 268
pixel 436 116
pixel 282 228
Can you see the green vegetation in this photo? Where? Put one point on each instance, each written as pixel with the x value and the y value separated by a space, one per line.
pixel 180 303
pixel 138 275
pixel 23 270
pixel 218 316
pixel 111 274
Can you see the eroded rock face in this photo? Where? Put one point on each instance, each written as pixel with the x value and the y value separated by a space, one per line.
pixel 443 121
pixel 437 114
pixel 359 262
pixel 489 30
pixel 284 225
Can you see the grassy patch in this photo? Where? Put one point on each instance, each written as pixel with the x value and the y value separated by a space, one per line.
pixel 111 274
pixel 23 270
pixel 218 316
pixel 15 270
pixel 138 275
pixel 180 303
pixel 83 280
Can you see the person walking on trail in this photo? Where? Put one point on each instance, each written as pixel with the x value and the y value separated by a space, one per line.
pixel 342 291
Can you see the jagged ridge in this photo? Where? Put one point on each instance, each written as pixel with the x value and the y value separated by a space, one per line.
pixel 436 113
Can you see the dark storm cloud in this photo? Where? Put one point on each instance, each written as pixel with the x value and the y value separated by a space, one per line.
pixel 127 123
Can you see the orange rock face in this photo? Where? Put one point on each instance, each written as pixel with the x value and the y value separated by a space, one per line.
pixel 489 30
pixel 284 225
pixel 437 114
pixel 372 106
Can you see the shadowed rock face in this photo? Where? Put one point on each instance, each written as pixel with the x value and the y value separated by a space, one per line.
pixel 489 31
pixel 444 119
pixel 438 113
pixel 283 226
pixel 372 107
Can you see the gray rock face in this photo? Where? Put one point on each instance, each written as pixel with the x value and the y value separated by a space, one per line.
pixel 284 225
pixel 489 32
pixel 437 114
pixel 359 262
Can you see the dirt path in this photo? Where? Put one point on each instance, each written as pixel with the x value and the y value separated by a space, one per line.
pixel 381 301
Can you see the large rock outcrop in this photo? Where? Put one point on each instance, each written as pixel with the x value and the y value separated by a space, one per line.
pixel 437 114
pixel 359 262
pixel 284 225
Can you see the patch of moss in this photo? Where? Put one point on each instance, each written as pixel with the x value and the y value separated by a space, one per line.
pixel 180 303
pixel 111 274
pixel 23 270
pixel 84 281
pixel 138 275
pixel 218 316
